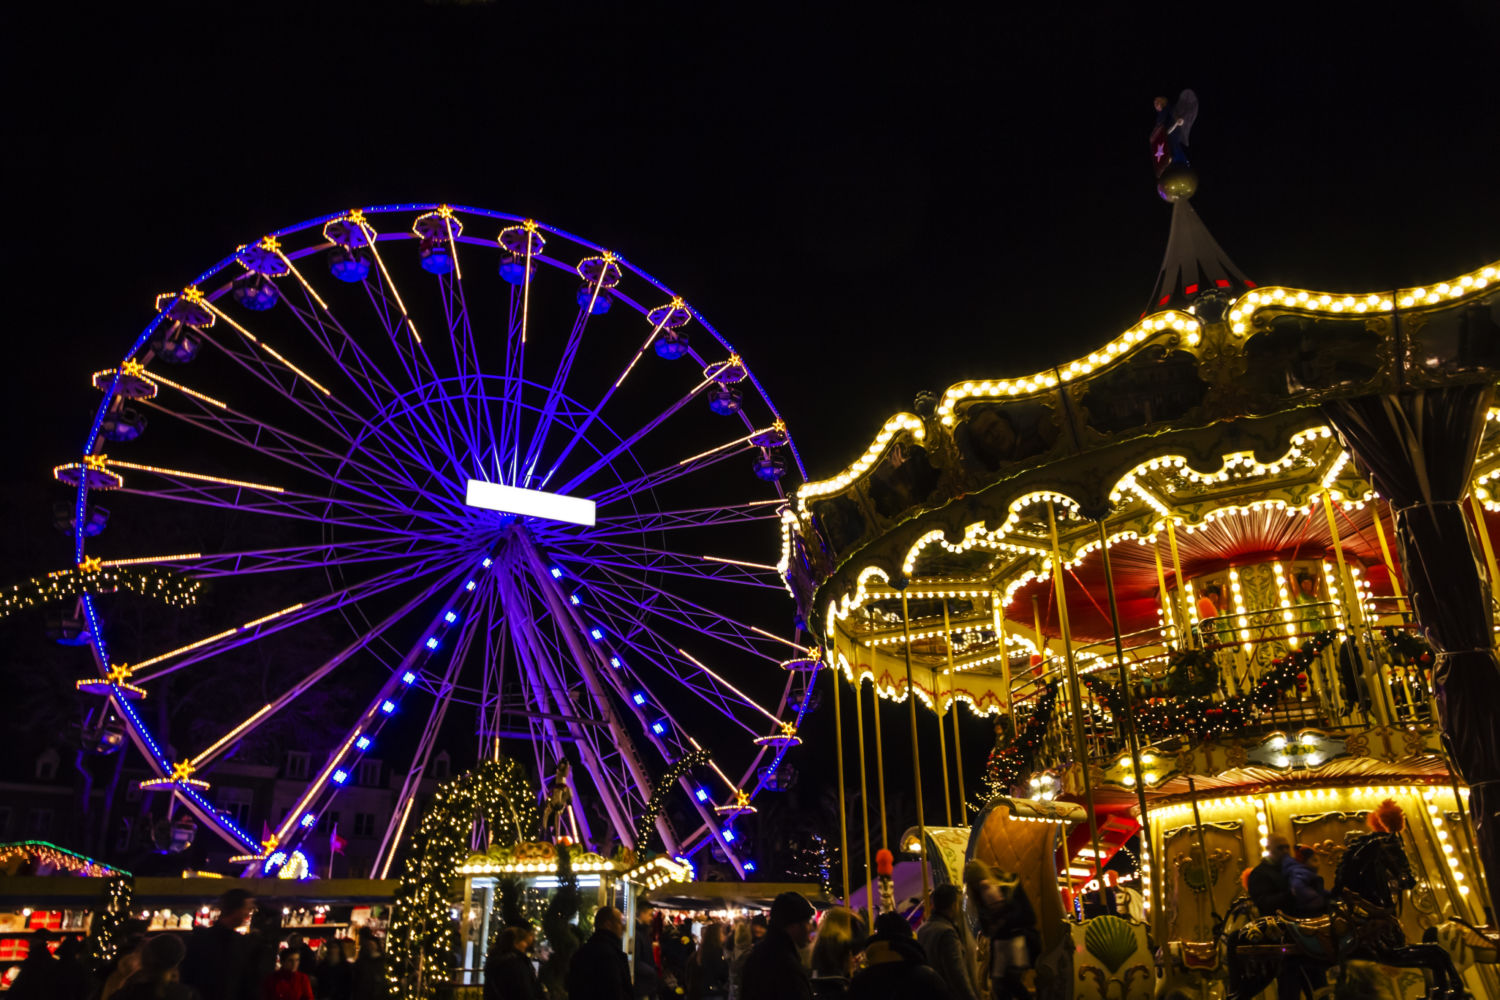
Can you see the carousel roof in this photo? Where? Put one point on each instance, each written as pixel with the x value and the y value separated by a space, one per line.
pixel 1201 420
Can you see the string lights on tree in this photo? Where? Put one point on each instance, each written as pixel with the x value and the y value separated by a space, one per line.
pixel 422 925
pixel 92 577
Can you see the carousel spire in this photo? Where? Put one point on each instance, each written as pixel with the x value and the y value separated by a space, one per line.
pixel 1196 274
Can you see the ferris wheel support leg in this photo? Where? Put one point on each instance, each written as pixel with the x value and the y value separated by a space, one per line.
pixel 534 661
pixel 413 783
pixel 585 659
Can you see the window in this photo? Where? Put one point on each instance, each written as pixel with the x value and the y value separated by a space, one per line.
pixel 441 766
pixel 38 822
pixel 369 772
pixel 328 821
pixel 123 834
pixel 5 820
pixel 235 803
pixel 46 765
pixel 364 824
pixel 296 764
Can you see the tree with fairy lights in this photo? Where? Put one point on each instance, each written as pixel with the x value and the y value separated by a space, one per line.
pixel 423 932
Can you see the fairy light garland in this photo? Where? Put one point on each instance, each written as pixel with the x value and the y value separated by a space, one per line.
pixel 93 577
pixel 422 926
pixel 105 929
pixel 661 790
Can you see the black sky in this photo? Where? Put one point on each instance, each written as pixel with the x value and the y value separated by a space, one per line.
pixel 867 201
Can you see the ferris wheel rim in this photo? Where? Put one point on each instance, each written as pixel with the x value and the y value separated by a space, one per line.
pixel 139 732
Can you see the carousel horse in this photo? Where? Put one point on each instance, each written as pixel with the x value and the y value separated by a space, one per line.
pixel 1362 922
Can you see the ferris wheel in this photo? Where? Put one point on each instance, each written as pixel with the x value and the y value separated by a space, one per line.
pixel 467 470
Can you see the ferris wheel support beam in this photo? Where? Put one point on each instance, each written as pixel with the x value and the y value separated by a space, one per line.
pixel 710 821
pixel 413 783
pixel 547 688
pixel 585 659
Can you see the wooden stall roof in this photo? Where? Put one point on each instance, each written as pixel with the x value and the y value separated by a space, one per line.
pixel 30 890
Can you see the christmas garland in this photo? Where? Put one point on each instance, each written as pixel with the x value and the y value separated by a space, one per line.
pixel 92 578
pixel 1407 647
pixel 1198 715
pixel 103 943
pixel 422 932
pixel 659 794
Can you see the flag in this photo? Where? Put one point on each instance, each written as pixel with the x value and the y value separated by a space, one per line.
pixel 336 844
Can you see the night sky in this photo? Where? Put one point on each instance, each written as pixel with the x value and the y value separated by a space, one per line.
pixel 867 202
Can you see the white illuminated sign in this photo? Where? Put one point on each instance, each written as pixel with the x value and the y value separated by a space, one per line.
pixel 529 503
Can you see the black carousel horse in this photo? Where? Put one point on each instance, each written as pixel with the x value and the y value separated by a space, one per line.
pixel 1362 922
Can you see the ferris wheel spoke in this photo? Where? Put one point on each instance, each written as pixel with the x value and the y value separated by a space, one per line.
pixel 550 406
pixel 470 372
pixel 359 368
pixel 624 446
pixel 622 555
pixel 243 495
pixel 588 420
pixel 310 680
pixel 296 614
pixel 291 558
pixel 373 481
pixel 660 477
pixel 679 610
pixel 628 628
pixel 653 521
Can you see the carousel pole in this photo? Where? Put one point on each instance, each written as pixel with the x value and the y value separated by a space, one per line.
pixel 958 764
pixel 1075 691
pixel 1186 617
pixel 1168 609
pixel 1041 654
pixel 998 607
pixel 879 753
pixel 943 740
pixel 838 736
pixel 1354 614
pixel 916 760
pixel 1385 554
pixel 1475 865
pixel 1202 846
pixel 1132 735
pixel 864 795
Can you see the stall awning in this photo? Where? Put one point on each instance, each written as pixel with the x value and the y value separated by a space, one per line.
pixel 716 895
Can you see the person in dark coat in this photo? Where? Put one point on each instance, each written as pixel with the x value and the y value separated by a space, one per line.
pixel 774 970
pixel 1266 882
pixel 947 944
pixel 599 969
pixel 39 970
pixel 218 962
pixel 896 967
pixel 156 979
pixel 508 972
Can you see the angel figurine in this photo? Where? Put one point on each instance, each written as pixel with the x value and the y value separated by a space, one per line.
pixel 1169 136
pixel 559 798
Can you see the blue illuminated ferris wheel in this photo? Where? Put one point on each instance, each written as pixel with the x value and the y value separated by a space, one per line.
pixel 526 485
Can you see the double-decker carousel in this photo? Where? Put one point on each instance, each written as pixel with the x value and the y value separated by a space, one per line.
pixel 1222 581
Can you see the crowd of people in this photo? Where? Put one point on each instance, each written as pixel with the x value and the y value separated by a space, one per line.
pixel 242 955
pixel 789 953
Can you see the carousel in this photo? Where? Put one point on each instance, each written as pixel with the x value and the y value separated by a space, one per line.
pixel 1221 585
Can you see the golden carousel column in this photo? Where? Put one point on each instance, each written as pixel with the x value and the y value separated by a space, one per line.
pixel 916 759
pixel 1380 690
pixel 1075 693
pixel 999 611
pixel 838 736
pixel 864 794
pixel 942 713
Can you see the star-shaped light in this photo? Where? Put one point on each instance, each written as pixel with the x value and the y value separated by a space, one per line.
pixel 91 564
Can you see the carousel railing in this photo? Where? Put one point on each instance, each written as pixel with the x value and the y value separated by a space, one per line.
pixel 1370 674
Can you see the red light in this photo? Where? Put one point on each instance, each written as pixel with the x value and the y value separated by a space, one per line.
pixel 1249 283
pixel 1222 283
pixel 1164 300
pixel 1191 289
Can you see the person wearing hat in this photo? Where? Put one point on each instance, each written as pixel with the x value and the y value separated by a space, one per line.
pixel 896 966
pixel 156 979
pixel 774 970
pixel 219 962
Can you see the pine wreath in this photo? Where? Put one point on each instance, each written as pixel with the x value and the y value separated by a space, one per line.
pixel 659 793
